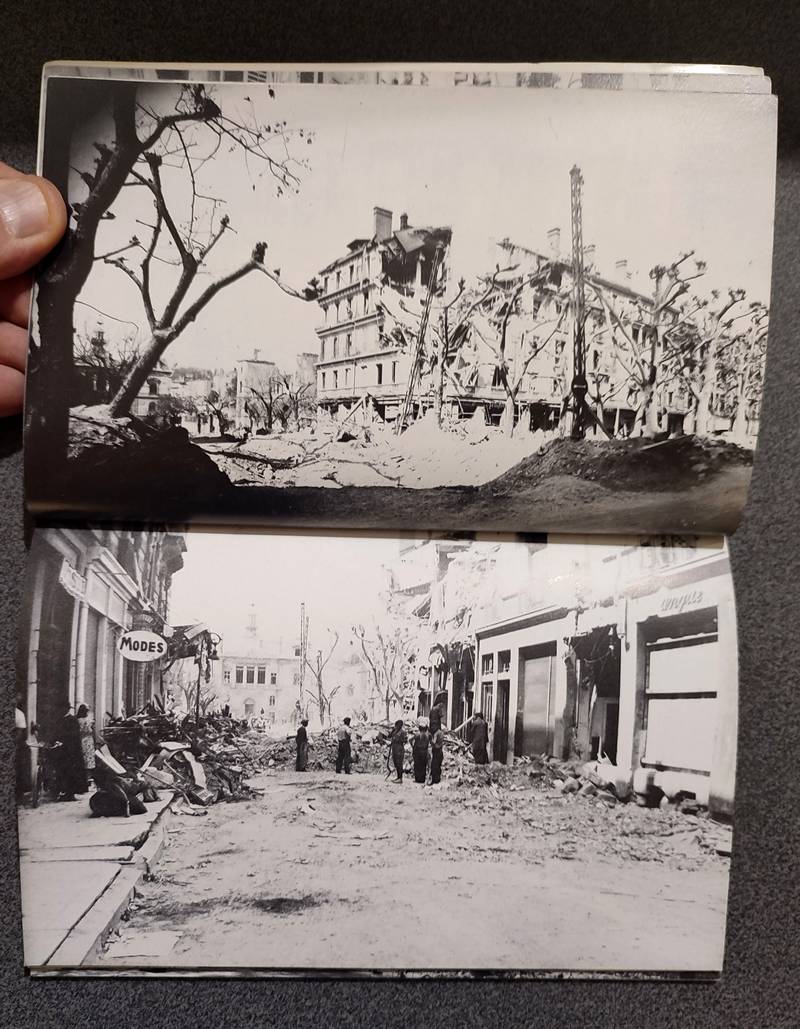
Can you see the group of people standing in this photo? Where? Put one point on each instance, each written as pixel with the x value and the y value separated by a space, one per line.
pixel 427 746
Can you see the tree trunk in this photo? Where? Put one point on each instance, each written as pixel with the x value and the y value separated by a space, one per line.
pixel 50 377
pixel 137 376
pixel 507 419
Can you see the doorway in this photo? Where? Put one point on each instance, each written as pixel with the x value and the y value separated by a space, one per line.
pixel 53 659
pixel 534 731
pixel 500 735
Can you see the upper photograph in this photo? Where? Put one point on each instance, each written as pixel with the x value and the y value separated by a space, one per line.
pixel 387 302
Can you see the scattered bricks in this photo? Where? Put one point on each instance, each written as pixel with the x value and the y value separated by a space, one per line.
pixel 587 790
pixel 571 785
pixel 689 806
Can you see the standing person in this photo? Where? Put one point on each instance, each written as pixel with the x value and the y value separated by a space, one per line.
pixel 419 750
pixel 88 742
pixel 437 755
pixel 398 749
pixel 435 718
pixel 480 739
pixel 71 770
pixel 301 761
pixel 343 754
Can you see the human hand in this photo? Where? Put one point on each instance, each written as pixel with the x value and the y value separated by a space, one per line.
pixel 32 220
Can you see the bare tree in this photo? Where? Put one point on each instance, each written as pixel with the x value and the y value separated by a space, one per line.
pixel 500 311
pixel 218 406
pixel 107 364
pixel 266 402
pixel 322 698
pixel 132 156
pixel 638 337
pixel 386 654
pixel 298 396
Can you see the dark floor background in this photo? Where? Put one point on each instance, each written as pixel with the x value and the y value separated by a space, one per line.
pixel 760 985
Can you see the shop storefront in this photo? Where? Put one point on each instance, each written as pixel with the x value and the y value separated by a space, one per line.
pixel 643 678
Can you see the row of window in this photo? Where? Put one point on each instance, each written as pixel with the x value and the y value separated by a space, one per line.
pixel 334 380
pixel 350 279
pixel 348 347
pixel 251 674
pixel 354 307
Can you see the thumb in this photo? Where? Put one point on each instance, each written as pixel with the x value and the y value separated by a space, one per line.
pixel 32 220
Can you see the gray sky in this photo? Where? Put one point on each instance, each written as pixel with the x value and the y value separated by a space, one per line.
pixel 664 172
pixel 339 578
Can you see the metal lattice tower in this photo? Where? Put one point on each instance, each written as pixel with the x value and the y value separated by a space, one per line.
pixel 577 400
pixel 303 648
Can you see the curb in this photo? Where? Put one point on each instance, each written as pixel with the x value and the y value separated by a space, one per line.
pixel 85 941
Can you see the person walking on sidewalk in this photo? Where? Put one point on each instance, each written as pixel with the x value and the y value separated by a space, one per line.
pixel 480 739
pixel 419 750
pixel 437 755
pixel 301 761
pixel 398 749
pixel 88 742
pixel 344 757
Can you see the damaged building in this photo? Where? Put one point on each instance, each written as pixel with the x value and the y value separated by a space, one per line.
pixel 629 658
pixel 358 364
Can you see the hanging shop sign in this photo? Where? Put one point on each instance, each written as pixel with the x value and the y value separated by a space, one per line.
pixel 142 645
pixel 72 581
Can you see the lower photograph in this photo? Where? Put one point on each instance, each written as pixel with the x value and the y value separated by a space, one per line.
pixel 346 755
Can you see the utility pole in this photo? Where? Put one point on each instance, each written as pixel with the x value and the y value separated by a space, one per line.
pixel 414 369
pixel 576 401
pixel 303 649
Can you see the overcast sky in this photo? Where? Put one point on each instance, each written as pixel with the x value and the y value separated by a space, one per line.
pixel 340 579
pixel 663 173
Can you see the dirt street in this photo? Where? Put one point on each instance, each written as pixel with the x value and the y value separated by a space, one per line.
pixel 335 872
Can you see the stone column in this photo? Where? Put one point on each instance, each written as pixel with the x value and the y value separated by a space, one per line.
pixel 80 659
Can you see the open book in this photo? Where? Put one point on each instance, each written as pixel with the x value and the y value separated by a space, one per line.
pixel 389 421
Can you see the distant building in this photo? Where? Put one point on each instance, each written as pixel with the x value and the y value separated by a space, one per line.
pixel 255 379
pixel 356 363
pixel 257 677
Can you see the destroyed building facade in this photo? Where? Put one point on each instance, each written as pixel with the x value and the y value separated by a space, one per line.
pixel 588 651
pixel 503 345
pixel 87 588
pixel 357 364
pixel 630 658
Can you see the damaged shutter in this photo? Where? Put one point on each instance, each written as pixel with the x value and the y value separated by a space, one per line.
pixel 682 685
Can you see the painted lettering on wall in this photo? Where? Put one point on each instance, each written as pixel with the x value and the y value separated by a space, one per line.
pixel 674 605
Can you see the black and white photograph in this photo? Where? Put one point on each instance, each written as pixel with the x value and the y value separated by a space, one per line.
pixel 383 301
pixel 325 754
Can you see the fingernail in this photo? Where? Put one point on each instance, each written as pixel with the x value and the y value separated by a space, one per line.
pixel 23 208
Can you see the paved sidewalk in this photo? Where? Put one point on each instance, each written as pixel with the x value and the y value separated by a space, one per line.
pixel 78 875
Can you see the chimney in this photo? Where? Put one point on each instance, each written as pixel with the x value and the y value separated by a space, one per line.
pixel 554 239
pixel 621 266
pixel 404 220
pixel 383 223
pixel 255 354
pixel 589 253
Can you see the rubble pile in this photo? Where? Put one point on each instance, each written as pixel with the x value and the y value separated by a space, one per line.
pixel 205 763
pixel 462 453
pixel 630 464
pixel 369 749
